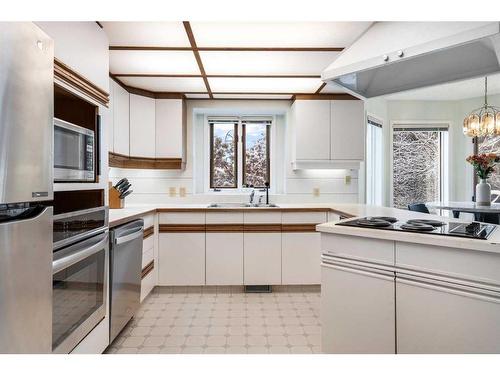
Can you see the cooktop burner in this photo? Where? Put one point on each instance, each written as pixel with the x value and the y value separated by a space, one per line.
pixel 474 230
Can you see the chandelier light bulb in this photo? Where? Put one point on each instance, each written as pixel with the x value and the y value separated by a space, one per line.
pixel 483 121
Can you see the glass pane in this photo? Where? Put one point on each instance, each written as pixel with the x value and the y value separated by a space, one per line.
pixel 223 155
pixel 256 155
pixel 416 167
pixel 487 145
pixel 77 292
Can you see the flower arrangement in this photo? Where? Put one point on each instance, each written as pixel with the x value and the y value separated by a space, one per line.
pixel 484 164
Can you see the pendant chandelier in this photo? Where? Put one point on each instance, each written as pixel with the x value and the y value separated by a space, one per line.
pixel 483 121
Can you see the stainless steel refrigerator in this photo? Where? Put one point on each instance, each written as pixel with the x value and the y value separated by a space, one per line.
pixel 26 138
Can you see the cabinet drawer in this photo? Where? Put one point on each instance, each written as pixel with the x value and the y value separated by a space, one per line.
pixel 147 257
pixel 148 244
pixel 224 217
pixel 367 249
pixel 149 221
pixel 262 217
pixel 468 264
pixel 182 218
pixel 304 217
pixel 147 284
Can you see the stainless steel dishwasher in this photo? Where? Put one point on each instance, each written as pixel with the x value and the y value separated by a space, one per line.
pixel 125 275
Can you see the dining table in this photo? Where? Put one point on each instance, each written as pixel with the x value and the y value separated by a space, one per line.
pixel 484 213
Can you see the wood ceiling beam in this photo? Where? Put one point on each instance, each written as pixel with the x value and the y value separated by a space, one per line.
pixel 197 56
pixel 218 75
pixel 320 88
pixel 227 49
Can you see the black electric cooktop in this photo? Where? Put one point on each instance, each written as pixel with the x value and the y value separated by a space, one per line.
pixel 474 230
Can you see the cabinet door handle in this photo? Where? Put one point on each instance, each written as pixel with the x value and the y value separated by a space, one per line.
pixel 453 289
pixel 377 275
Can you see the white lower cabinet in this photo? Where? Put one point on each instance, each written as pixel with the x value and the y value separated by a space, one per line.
pixel 357 311
pixel 181 259
pixel 301 258
pixel 262 254
pixel 224 258
pixel 446 319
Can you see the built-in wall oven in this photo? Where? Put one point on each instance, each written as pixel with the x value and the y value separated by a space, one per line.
pixel 74 153
pixel 80 275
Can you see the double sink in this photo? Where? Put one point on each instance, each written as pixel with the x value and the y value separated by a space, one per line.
pixel 242 205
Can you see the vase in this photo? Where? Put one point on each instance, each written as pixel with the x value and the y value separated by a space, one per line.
pixel 483 193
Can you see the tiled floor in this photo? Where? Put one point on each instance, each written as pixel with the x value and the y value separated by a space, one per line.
pixel 224 320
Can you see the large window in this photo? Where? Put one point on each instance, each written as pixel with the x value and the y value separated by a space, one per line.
pixel 419 168
pixel 374 162
pixel 486 145
pixel 237 162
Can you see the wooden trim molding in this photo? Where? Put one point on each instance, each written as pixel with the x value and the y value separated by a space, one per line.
pixel 146 270
pixel 324 97
pixel 218 228
pixel 182 228
pixel 228 49
pixel 262 228
pixel 79 82
pixel 148 232
pixel 197 56
pixel 291 228
pixel 133 162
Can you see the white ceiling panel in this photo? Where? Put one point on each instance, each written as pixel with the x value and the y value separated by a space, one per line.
pixel 332 88
pixel 157 34
pixel 223 62
pixel 264 85
pixel 166 84
pixel 197 96
pixel 277 34
pixel 251 96
pixel 153 62
pixel 471 88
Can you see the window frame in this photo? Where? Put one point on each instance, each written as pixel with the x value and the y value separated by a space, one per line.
pixel 211 153
pixel 240 134
pixel 374 127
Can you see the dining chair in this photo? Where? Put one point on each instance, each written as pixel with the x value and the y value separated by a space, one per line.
pixel 418 207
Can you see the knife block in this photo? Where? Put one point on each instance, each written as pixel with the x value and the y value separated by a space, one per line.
pixel 114 198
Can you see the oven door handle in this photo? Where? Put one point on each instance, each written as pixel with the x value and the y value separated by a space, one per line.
pixel 78 254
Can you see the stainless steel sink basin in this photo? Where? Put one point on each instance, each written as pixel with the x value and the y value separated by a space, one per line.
pixel 241 205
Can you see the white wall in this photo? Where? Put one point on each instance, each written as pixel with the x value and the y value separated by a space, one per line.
pixel 152 186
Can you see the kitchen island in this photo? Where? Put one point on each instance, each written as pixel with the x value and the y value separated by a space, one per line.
pixel 388 291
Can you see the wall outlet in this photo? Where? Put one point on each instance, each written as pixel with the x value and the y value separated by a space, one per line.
pixel 347 180
pixel 316 192
pixel 182 192
pixel 172 191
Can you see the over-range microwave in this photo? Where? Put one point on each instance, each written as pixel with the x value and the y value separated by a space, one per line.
pixel 74 153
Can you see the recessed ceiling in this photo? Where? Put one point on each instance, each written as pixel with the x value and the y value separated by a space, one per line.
pixel 277 34
pixel 238 58
pixel 471 88
pixel 163 84
pixel 157 34
pixel 150 62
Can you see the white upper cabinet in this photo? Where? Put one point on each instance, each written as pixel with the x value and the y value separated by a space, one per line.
pixel 347 130
pixel 169 128
pixel 142 126
pixel 328 134
pixel 83 46
pixel 312 129
pixel 121 122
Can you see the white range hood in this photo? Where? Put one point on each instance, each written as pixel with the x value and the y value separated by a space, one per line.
pixel 398 56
